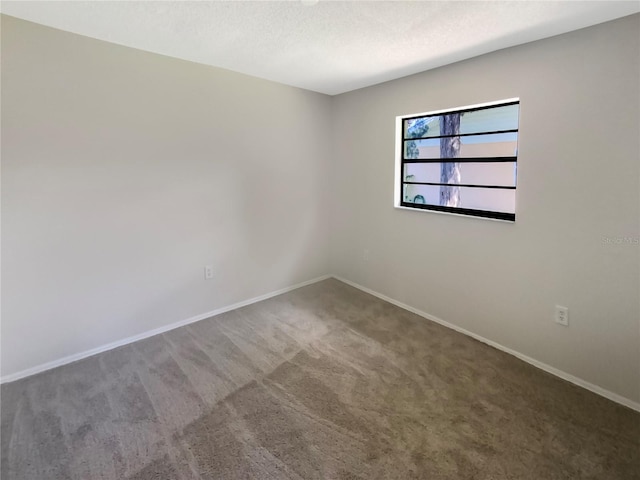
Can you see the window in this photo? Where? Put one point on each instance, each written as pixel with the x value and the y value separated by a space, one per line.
pixel 461 161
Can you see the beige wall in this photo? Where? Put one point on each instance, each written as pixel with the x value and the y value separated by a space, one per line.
pixel 125 172
pixel 578 184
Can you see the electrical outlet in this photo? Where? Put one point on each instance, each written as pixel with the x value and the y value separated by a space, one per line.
pixel 366 254
pixel 562 315
pixel 208 272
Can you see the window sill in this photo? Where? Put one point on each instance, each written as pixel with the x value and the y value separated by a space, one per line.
pixel 423 210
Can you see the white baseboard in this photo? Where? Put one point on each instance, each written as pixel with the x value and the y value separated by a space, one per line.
pixel 536 363
pixel 125 341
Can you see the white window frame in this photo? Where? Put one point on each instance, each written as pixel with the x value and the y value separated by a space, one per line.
pixel 399 164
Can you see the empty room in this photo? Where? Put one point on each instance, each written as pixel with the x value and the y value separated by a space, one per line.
pixel 320 240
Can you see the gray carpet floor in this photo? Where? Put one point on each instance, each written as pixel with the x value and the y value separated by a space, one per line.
pixel 324 382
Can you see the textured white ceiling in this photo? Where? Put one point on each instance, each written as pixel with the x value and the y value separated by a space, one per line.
pixel 327 46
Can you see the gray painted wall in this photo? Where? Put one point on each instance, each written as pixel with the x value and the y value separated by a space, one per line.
pixel 578 184
pixel 124 173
